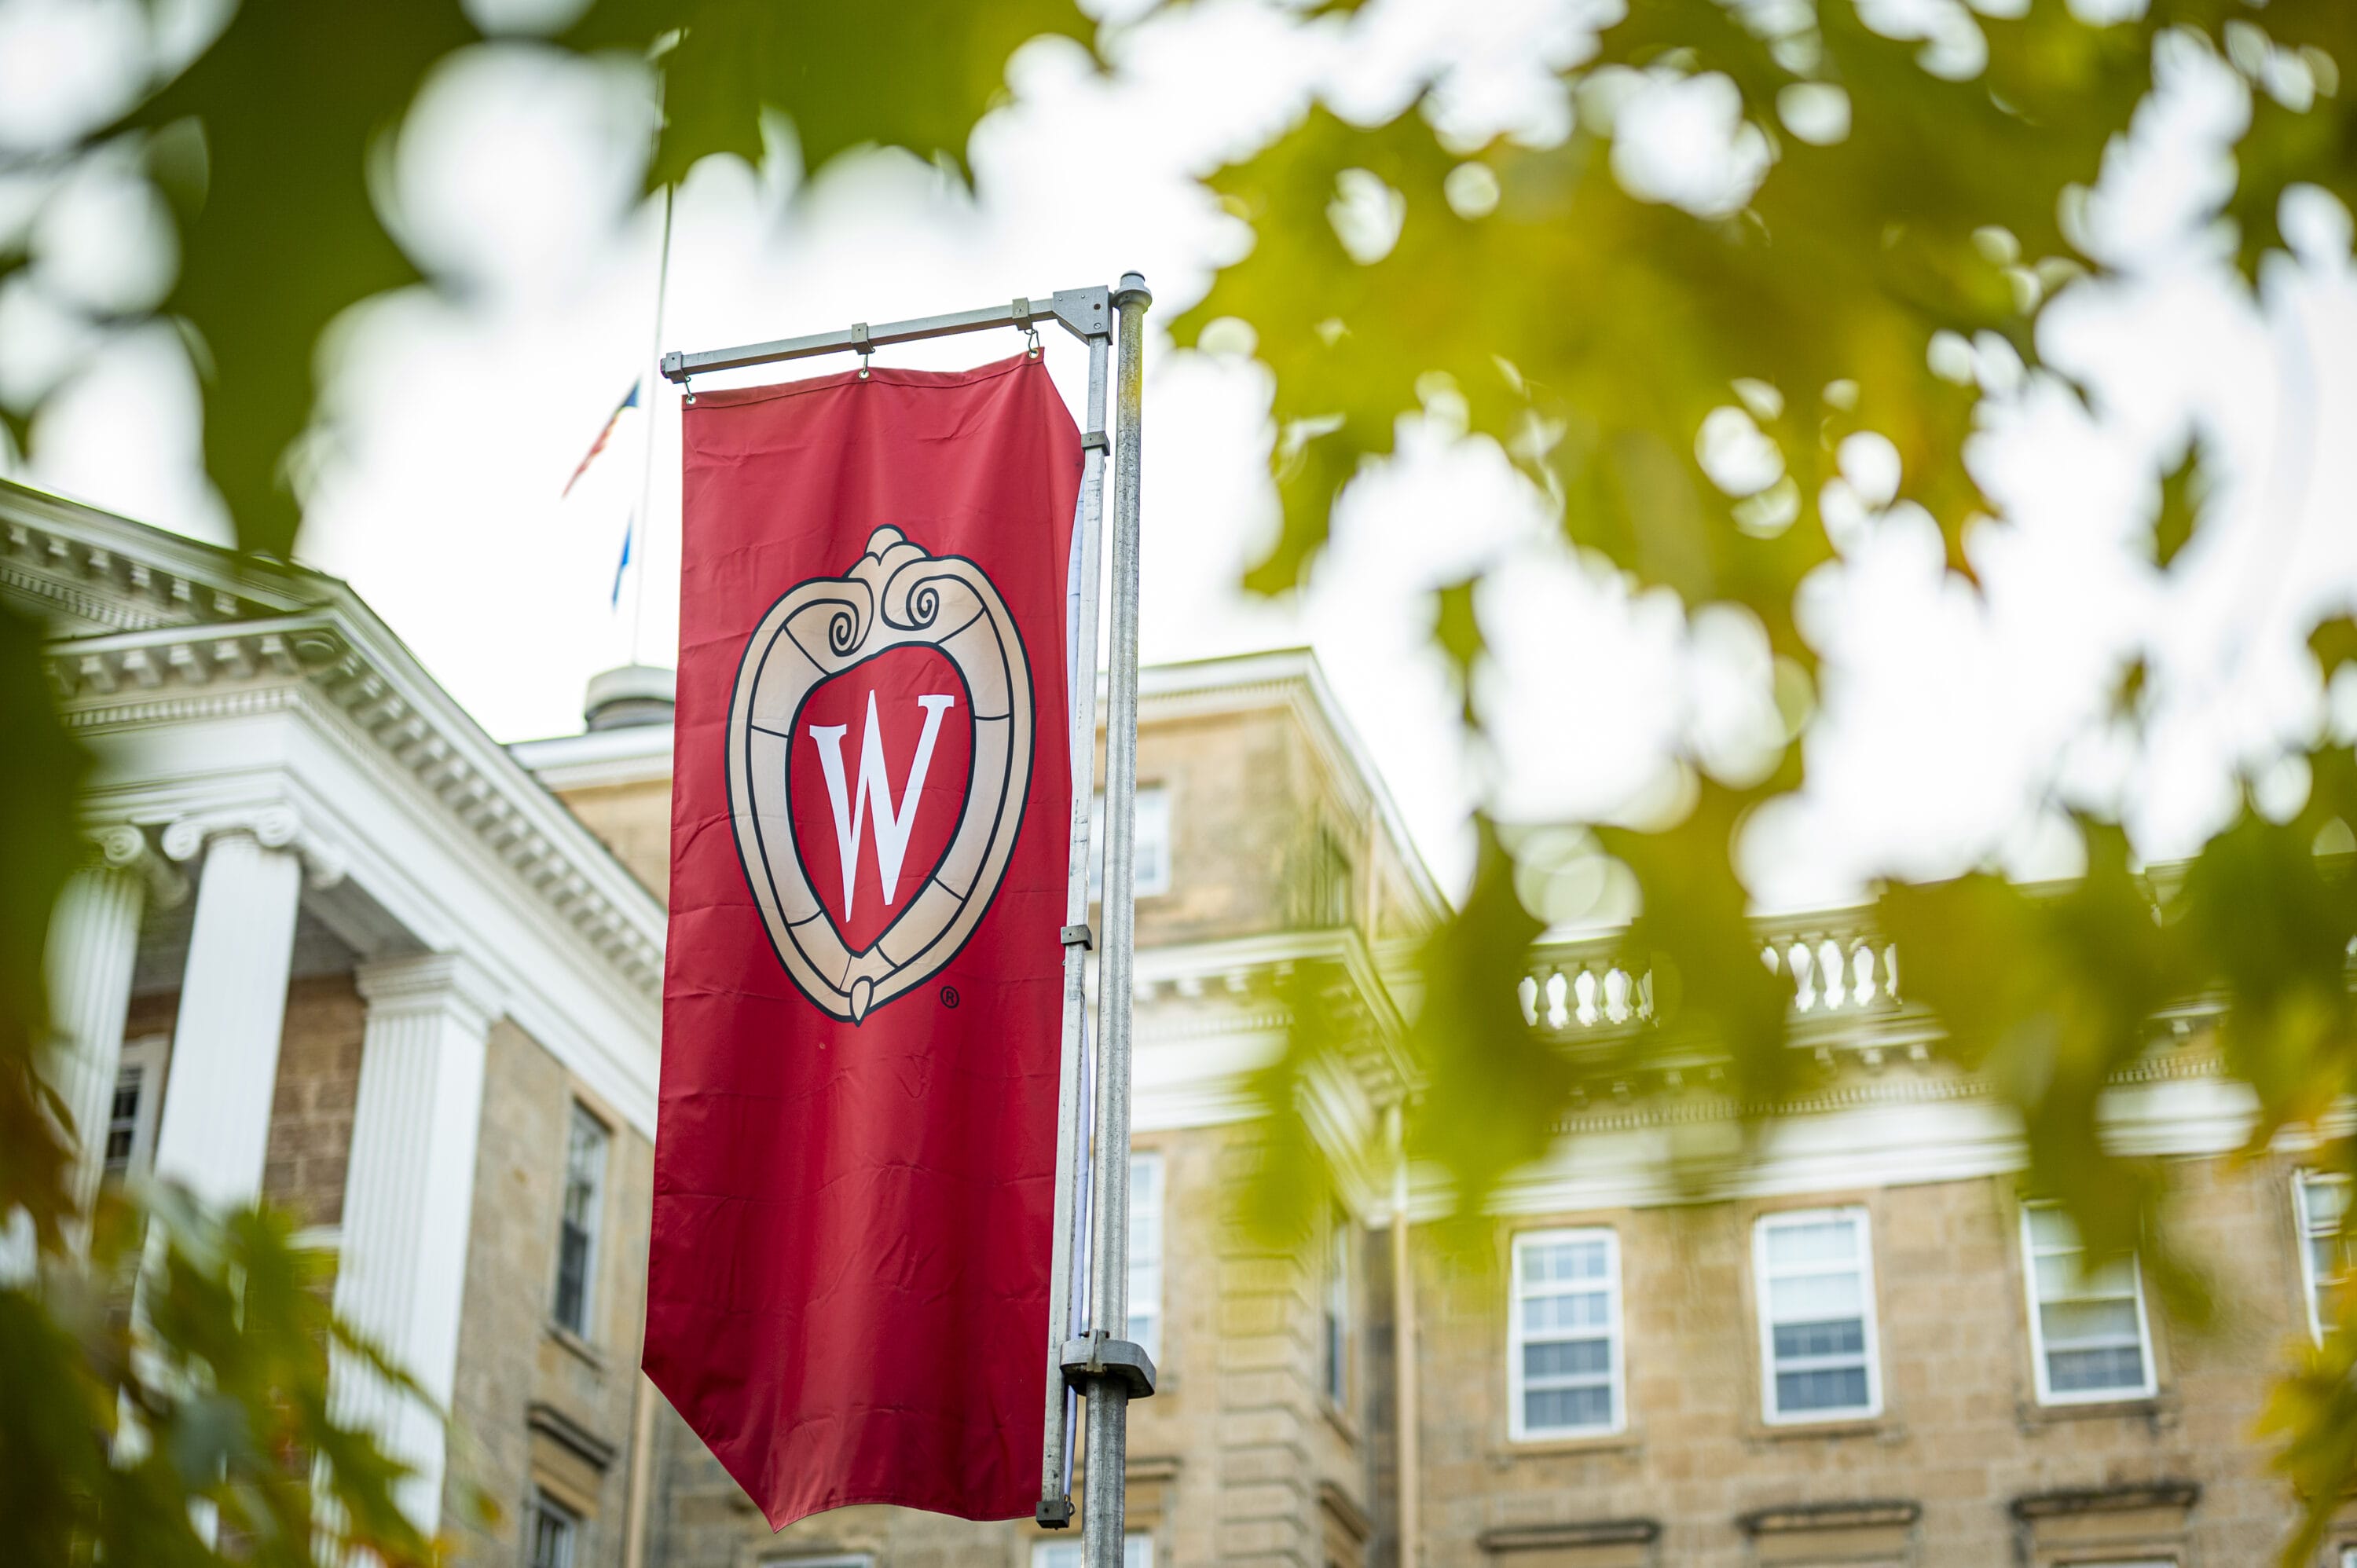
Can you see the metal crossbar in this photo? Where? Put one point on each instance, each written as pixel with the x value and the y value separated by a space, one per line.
pixel 1086 313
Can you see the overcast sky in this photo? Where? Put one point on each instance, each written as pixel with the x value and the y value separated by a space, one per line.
pixel 1956 722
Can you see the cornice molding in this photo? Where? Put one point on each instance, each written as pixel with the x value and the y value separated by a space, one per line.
pixel 337 664
pixel 111 572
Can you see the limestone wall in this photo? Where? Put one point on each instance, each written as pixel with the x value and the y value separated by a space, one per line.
pixel 535 1404
pixel 1962 1440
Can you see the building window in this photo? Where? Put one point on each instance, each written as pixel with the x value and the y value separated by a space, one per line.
pixel 1145 1252
pixel 576 1241
pixel 1336 1313
pixel 1149 844
pixel 1562 1336
pixel 2089 1337
pixel 139 1098
pixel 552 1532
pixel 2321 1201
pixel 1136 1552
pixel 1332 894
pixel 830 1559
pixel 1815 1275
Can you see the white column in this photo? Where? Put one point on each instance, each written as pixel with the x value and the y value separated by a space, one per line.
pixel 216 1121
pixel 94 942
pixel 408 1199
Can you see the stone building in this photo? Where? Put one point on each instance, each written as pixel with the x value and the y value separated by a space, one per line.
pixel 337 947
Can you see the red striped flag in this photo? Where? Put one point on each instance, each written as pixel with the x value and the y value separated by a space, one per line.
pixel 630 401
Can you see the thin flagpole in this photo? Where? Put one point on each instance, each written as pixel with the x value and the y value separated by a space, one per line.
pixel 1067 1277
pixel 1102 1544
pixel 647 471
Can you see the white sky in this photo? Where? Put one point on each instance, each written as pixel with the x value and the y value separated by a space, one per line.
pixel 1954 722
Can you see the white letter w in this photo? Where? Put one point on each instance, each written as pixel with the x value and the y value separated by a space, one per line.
pixel 892 827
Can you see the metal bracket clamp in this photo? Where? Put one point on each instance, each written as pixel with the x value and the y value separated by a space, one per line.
pixel 1086 313
pixel 1096 441
pixel 1080 936
pixel 860 342
pixel 1088 1359
pixel 1052 1515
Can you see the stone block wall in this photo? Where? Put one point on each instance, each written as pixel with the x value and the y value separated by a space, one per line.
pixel 1986 1473
pixel 318 1086
pixel 634 822
pixel 534 1403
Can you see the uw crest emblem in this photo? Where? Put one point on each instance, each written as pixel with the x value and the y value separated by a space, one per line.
pixel 814 815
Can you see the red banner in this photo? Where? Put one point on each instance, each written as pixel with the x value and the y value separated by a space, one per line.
pixel 847 1280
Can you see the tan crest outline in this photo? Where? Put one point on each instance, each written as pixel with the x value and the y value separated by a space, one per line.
pixel 896 596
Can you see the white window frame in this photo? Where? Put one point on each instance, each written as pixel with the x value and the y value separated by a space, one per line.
pixel 578 1115
pixel 567 1515
pixel 820 1559
pixel 2301 1182
pixel 1146 1266
pixel 1761 1274
pixel 1334 1319
pixel 1151 844
pixel 1064 1551
pixel 2046 1394
pixel 146 1055
pixel 1517 1429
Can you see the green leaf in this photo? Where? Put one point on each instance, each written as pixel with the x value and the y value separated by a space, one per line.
pixel 1492 1086
pixel 292 99
pixel 913 76
pixel 2184 492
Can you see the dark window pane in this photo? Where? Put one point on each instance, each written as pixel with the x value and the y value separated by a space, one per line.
pixel 1842 1336
pixel 2079 1372
pixel 572 1278
pixel 1834 1388
pixel 1559 1408
pixel 1573 1358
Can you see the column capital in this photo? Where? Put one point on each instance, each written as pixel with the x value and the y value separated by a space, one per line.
pixel 126 848
pixel 274 826
pixel 443 983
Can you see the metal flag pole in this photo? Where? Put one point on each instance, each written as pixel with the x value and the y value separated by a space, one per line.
pixel 1065 1301
pixel 1096 1360
pixel 647 470
pixel 1116 1371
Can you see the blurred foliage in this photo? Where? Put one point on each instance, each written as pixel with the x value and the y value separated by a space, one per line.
pixel 165 1369
pixel 135 1389
pixel 274 147
pixel 192 1427
pixel 1695 376
pixel 1912 214
pixel 913 76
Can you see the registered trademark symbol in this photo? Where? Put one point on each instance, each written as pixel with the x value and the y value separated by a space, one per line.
pixel 949 996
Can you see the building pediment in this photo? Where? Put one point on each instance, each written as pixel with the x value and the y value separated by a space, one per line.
pixel 154 629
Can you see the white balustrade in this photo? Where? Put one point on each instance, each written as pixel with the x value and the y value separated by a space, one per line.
pixel 1835 972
